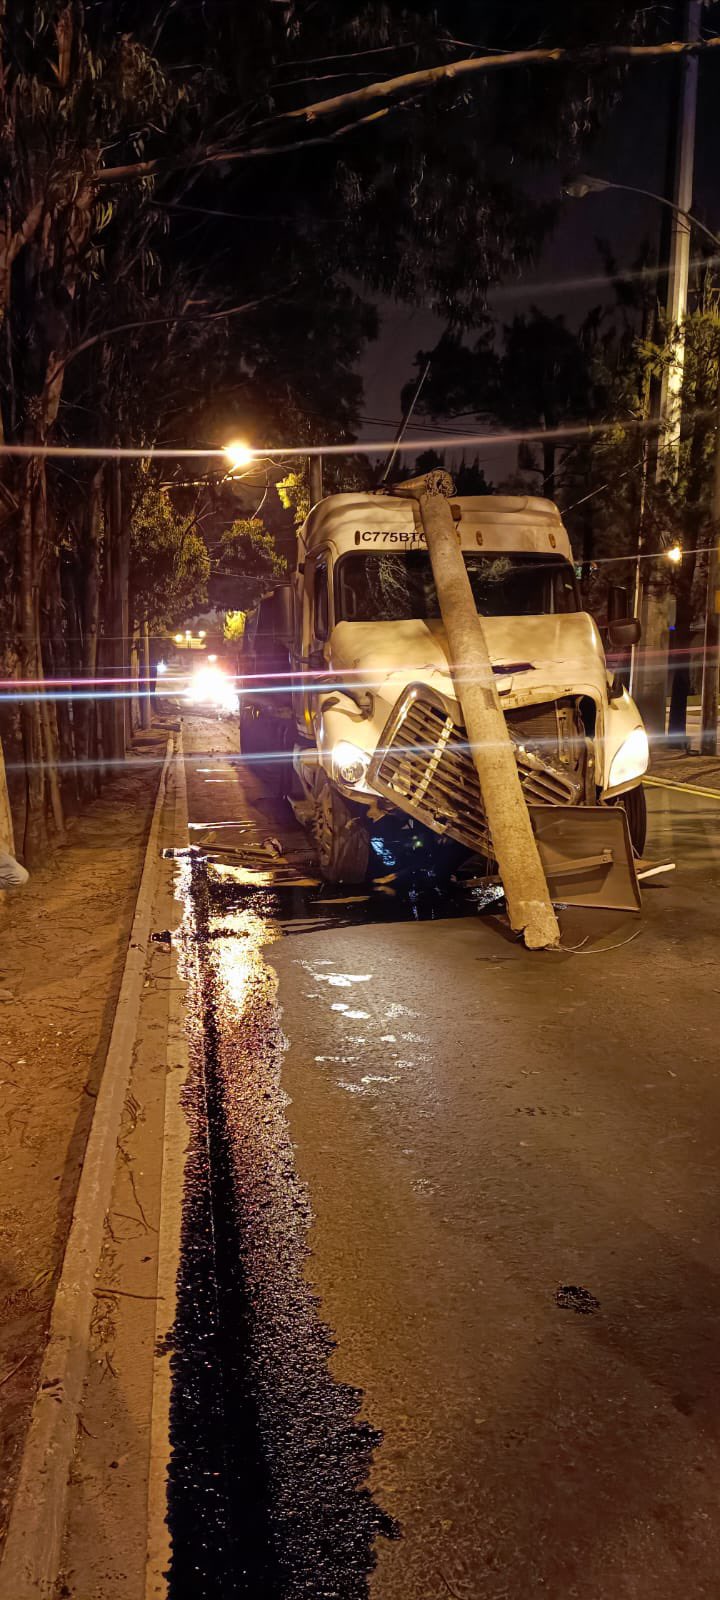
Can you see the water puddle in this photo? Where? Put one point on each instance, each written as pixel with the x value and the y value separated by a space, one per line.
pixel 302 902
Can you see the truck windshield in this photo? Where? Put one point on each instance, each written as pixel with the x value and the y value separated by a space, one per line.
pixel 380 586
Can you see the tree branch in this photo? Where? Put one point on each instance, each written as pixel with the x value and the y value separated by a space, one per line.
pixel 414 82
pixel 156 322
pixel 26 231
pixel 157 168
pixel 425 77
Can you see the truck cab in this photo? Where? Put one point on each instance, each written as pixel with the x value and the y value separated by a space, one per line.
pixel 358 707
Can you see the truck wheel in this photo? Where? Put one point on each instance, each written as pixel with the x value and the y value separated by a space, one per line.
pixel 262 741
pixel 342 836
pixel 635 806
pixel 247 731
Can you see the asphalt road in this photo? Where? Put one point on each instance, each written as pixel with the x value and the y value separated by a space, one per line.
pixel 508 1166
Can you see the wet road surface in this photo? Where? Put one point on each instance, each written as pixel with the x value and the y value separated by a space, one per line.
pixel 455 1243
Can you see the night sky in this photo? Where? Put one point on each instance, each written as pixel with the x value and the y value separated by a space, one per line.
pixel 633 150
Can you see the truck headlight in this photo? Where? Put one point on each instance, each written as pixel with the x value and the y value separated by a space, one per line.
pixel 350 763
pixel 631 760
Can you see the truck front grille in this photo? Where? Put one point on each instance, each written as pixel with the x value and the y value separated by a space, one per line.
pixel 423 766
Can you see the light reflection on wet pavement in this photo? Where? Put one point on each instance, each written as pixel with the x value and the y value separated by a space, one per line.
pixel 269 1452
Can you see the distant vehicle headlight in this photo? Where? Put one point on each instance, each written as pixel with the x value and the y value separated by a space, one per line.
pixel 350 763
pixel 210 686
pixel 631 760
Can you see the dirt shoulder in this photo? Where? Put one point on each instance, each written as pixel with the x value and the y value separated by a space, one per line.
pixel 63 943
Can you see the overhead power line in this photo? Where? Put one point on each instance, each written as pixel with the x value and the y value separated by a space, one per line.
pixel 348 447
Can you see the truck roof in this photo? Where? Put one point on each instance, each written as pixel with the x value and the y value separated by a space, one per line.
pixel 491 521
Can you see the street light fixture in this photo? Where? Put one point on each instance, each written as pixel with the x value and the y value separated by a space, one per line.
pixel 577 188
pixel 675 554
pixel 238 454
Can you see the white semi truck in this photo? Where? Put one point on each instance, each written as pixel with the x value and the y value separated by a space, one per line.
pixel 348 699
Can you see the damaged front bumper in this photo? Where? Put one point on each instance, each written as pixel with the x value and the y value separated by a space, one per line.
pixel 423 766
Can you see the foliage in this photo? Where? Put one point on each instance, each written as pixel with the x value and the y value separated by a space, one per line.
pixel 169 563
pixel 248 553
pixel 532 374
pixel 173 302
pixel 234 626
pixel 294 492
pixel 339 477
pixel 437 201
pixel 468 476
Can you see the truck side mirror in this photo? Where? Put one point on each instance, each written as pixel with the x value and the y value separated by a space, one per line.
pixel 624 632
pixel 618 603
pixel 283 618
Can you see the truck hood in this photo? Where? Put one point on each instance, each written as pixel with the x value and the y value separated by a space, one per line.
pixel 535 658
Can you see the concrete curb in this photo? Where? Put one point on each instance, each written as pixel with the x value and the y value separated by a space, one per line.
pixel 176 1139
pixel 37 1520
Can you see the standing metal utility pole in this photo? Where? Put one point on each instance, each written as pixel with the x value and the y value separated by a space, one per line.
pixel 679 260
pixel 315 474
pixel 526 892
pixel 652 660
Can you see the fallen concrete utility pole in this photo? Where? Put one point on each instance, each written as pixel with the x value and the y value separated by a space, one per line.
pixel 526 892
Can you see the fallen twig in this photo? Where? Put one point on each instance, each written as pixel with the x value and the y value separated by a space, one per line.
pixel 127 1294
pixel 11 1374
pixel 448 1585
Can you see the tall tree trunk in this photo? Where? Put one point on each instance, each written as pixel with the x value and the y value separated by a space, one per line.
pixel 123 572
pixel 118 525
pixel 47 718
pixel 146 701
pixel 49 740
pixel 89 607
pixel 107 644
pixel 34 831
pixel 548 483
pixel 135 685
pixel 69 575
pixel 56 647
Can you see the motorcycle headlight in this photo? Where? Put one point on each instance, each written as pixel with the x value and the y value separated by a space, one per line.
pixel 631 760
pixel 350 763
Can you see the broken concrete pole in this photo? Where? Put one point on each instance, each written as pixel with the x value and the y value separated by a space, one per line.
pixel 526 892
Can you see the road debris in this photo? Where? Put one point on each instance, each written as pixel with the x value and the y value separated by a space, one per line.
pixel 571 1297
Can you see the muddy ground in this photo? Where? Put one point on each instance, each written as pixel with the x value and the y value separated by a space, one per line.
pixel 63 942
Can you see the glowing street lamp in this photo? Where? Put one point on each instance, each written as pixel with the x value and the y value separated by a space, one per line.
pixel 238 454
pixel 675 554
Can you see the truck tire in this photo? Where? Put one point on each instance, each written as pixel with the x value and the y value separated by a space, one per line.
pixel 264 741
pixel 247 723
pixel 342 837
pixel 635 807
